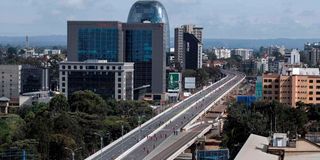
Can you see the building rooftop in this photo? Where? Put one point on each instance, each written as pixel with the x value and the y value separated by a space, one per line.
pixel 256 148
pixel 301 71
pixel 259 147
pixel 4 99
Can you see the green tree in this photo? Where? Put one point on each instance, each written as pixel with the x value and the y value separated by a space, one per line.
pixel 59 103
pixel 88 102
pixel 262 119
pixel 12 51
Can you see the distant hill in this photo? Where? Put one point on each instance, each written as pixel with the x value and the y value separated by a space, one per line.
pixel 39 41
pixel 257 43
pixel 61 40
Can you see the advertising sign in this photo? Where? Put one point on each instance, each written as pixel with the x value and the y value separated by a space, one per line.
pixel 174 82
pixel 189 82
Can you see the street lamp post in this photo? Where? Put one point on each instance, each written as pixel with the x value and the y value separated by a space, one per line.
pixel 139 121
pixel 101 142
pixel 72 151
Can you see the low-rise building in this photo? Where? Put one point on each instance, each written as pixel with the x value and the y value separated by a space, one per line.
pixel 18 79
pixel 112 80
pixel 293 57
pixel 297 85
pixel 278 147
pixel 51 51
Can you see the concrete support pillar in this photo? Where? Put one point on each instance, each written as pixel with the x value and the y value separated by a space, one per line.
pixel 194 151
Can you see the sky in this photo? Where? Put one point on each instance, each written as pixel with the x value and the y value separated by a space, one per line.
pixel 239 19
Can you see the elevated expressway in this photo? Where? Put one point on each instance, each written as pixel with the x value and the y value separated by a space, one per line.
pixel 140 142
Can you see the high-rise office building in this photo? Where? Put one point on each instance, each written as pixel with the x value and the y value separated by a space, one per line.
pixel 312 51
pixel 151 11
pixel 144 44
pixel 183 36
pixel 109 79
pixel 95 40
pixel 193 52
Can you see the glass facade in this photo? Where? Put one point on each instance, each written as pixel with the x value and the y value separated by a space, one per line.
pixel 101 83
pixel 98 43
pixel 139 51
pixel 138 45
pixel 146 11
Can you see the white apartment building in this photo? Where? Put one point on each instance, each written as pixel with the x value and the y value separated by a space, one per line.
pixel 222 53
pixel 244 53
pixel 293 57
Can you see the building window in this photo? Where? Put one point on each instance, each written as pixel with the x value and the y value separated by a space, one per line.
pixel 310 87
pixel 276 86
pixel 318 81
pixel 81 67
pixel 63 78
pixel 311 93
pixel 310 81
pixel 318 99
pixel 119 96
pixel 63 84
pixel 277 81
pixel 318 93
pixel 113 67
pixel 63 90
pixel 69 67
pixel 265 80
pixel 63 67
pixel 265 86
pixel 119 85
pixel 119 91
pixel 98 43
pixel 265 92
pixel 119 73
pixel 63 73
pixel 119 67
pixel 75 67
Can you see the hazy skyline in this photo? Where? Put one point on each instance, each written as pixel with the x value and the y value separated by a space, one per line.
pixel 220 18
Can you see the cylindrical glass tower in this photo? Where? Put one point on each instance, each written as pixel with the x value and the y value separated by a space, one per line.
pixel 150 11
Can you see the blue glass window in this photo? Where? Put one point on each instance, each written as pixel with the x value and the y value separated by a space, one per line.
pixel 98 43
pixel 138 45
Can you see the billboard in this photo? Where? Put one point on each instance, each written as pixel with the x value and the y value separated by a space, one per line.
pixel 190 82
pixel 174 82
pixel 220 154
